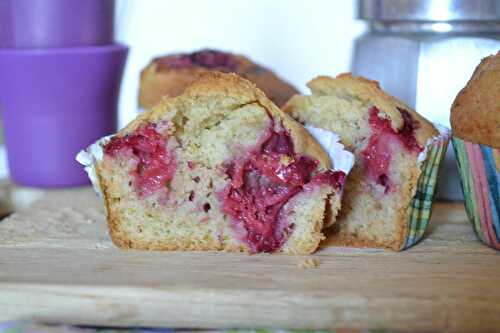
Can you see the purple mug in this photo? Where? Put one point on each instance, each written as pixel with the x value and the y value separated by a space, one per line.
pixel 55 102
pixel 55 23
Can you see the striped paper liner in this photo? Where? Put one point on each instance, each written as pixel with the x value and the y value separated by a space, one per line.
pixel 421 205
pixel 479 167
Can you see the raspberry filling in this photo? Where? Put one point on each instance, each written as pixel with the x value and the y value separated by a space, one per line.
pixel 262 182
pixel 377 154
pixel 206 58
pixel 153 164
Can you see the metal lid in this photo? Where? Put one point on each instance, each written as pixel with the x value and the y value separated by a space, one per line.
pixel 429 10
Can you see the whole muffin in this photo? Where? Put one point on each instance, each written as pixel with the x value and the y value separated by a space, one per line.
pixel 475 121
pixel 171 74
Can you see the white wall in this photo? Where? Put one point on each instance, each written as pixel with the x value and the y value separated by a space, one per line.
pixel 298 39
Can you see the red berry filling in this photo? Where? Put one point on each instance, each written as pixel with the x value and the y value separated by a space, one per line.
pixel 154 164
pixel 377 155
pixel 206 58
pixel 261 184
pixel 329 177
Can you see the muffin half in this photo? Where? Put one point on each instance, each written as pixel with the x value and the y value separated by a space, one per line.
pixel 382 206
pixel 219 167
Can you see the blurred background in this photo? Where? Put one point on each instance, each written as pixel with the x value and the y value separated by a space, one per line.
pixel 421 51
pixel 297 39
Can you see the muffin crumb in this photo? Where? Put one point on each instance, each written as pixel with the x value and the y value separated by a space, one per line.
pixel 308 263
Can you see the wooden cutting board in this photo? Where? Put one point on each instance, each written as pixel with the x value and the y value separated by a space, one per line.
pixel 57 264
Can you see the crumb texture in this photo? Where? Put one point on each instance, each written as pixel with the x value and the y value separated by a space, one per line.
pixel 218 168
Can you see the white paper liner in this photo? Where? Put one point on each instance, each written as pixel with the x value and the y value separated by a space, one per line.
pixel 444 134
pixel 342 159
pixel 89 158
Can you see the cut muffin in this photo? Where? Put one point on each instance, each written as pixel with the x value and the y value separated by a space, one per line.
pixel 386 137
pixel 171 74
pixel 219 167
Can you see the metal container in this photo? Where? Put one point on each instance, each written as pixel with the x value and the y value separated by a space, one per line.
pixel 423 52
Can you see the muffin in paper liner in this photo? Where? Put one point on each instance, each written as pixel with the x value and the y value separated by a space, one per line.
pixel 420 209
pixel 479 168
pixel 429 161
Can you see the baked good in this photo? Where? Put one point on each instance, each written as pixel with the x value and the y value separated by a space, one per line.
pixel 475 122
pixel 219 167
pixel 387 137
pixel 171 74
pixel 475 113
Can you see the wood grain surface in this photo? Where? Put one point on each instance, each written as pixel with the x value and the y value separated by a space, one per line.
pixel 57 264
